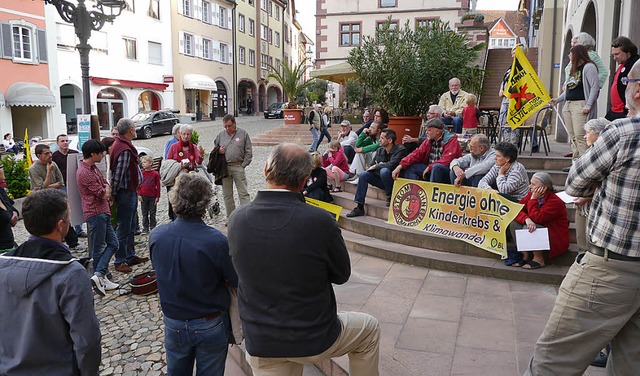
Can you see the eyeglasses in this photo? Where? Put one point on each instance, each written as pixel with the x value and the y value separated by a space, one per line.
pixel 626 80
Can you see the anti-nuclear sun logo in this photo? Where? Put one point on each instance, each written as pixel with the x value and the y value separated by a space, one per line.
pixel 410 205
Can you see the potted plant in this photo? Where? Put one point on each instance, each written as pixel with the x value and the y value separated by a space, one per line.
pixel 291 79
pixel 406 69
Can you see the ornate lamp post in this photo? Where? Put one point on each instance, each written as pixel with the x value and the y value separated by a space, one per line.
pixel 84 21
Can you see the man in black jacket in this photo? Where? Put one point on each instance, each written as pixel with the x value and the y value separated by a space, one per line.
pixel 625 54
pixel 287 254
pixel 387 158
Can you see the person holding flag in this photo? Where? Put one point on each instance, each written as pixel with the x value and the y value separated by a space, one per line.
pixel 508 135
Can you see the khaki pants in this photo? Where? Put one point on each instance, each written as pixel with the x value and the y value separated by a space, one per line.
pixel 237 177
pixel 360 338
pixel 575 120
pixel 598 302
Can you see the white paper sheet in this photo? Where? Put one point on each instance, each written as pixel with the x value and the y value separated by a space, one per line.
pixel 532 241
pixel 566 198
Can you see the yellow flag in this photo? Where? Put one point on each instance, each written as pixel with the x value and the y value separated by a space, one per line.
pixel 526 93
pixel 27 149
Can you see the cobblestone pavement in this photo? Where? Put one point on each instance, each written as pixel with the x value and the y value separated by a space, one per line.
pixel 131 326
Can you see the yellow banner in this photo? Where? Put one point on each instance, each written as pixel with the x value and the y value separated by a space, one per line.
pixel 27 149
pixel 476 216
pixel 526 93
pixel 331 208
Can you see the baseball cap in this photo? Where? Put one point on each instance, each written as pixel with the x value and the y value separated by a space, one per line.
pixel 345 123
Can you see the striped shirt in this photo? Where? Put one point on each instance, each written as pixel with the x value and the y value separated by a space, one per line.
pixel 613 163
pixel 91 185
pixel 514 182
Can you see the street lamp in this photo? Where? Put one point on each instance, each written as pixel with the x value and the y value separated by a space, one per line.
pixel 84 21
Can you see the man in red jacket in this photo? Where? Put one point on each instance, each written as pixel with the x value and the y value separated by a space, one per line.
pixel 430 161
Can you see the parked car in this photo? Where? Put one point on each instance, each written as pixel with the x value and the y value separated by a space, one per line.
pixel 153 123
pixel 275 111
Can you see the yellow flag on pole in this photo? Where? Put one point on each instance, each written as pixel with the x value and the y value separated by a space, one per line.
pixel 526 93
pixel 27 149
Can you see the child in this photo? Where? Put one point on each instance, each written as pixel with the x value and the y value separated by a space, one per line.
pixel 335 163
pixel 316 186
pixel 148 193
pixel 470 116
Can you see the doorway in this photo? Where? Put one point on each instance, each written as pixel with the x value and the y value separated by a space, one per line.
pixel 110 108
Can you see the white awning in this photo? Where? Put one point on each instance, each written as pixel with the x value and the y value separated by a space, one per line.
pixel 29 94
pixel 199 81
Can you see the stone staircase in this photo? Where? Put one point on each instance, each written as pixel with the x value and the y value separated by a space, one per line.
pixel 298 133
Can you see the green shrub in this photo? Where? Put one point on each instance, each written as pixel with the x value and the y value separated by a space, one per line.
pixel 16 175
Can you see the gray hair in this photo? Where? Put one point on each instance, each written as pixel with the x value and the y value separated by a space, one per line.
pixel 186 127
pixel 586 40
pixel 545 179
pixel 596 126
pixel 191 195
pixel 436 108
pixel 124 125
pixel 176 128
pixel 288 165
pixel 454 80
pixel 482 140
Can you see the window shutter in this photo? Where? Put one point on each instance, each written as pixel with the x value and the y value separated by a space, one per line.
pixel 216 13
pixel 229 19
pixel 181 42
pixel 197 7
pixel 230 56
pixel 198 46
pixel 42 45
pixel 7 45
pixel 180 7
pixel 216 50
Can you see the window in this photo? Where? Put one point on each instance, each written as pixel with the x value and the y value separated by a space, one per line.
pixel 241 22
pixel 286 32
pixel 207 49
pixel 130 5
pixel 223 22
pixel 252 57
pixel 155 53
pixel 130 48
pixel 277 66
pixel 224 53
pixel 22 43
pixel 263 4
pixel 187 47
pixel 425 22
pixel 187 8
pixel 252 27
pixel 270 8
pixel 270 36
pixel 241 53
pixel 350 34
pixel 277 39
pixel 264 59
pixel 251 2
pixel 388 3
pixel 154 9
pixel 381 26
pixel 206 12
pixel 263 32
pixel 270 63
pixel 277 12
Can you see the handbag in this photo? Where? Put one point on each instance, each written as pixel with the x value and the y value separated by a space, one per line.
pixel 144 284
pixel 237 335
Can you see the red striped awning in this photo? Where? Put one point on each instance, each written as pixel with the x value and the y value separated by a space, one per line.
pixel 128 83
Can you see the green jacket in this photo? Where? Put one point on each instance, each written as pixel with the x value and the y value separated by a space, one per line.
pixel 366 143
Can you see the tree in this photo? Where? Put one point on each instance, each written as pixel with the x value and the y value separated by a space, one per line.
pixel 317 91
pixel 354 90
pixel 291 79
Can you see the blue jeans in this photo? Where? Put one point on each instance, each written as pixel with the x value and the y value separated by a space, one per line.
pixel 315 133
pixel 127 202
pixel 101 232
pixel 467 182
pixel 324 132
pixel 349 152
pixel 383 180
pixel 201 340
pixel 438 174
pixel 456 121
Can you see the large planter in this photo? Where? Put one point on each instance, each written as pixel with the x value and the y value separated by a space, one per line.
pixel 292 116
pixel 405 125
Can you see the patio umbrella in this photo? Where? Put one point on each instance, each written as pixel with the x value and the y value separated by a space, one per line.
pixel 338 73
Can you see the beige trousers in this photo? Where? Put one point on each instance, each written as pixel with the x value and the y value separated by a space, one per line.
pixel 237 177
pixel 360 338
pixel 575 120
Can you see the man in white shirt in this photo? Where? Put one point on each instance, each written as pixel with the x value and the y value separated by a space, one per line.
pixel 347 139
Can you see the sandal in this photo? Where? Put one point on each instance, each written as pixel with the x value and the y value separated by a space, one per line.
pixel 336 189
pixel 520 263
pixel 533 265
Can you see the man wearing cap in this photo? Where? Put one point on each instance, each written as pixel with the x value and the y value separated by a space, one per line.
pixel 412 143
pixel 430 161
pixel 315 120
pixel 347 140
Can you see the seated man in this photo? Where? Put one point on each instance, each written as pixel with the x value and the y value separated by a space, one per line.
pixel 347 139
pixel 469 169
pixel 412 143
pixel 366 144
pixel 379 173
pixel 431 160
pixel 452 102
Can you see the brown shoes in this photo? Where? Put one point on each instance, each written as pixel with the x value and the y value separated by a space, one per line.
pixel 135 260
pixel 123 268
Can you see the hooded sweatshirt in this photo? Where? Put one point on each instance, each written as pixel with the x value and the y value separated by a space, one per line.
pixel 47 319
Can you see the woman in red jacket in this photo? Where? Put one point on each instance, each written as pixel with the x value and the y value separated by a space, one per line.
pixel 542 208
pixel 335 163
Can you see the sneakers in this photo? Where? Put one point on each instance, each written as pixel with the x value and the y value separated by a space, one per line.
pixel 135 260
pixel 352 176
pixel 566 169
pixel 123 268
pixel 98 288
pixel 388 201
pixel 82 234
pixel 356 212
pixel 107 284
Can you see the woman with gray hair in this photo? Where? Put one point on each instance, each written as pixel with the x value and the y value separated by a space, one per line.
pixel 587 40
pixel 542 208
pixel 193 269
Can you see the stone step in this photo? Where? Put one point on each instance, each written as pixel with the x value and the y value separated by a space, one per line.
pixel 558 177
pixel 466 264
pixel 544 163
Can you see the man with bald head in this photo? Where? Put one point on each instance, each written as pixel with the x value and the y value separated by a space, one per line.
pixel 287 254
pixel 598 301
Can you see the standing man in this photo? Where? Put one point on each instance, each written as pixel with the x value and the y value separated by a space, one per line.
pixel 47 319
pixel 598 300
pixel 451 103
pixel 625 54
pixel 95 194
pixel 235 144
pixel 125 180
pixel 60 157
pixel 379 173
pixel 470 168
pixel 287 304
